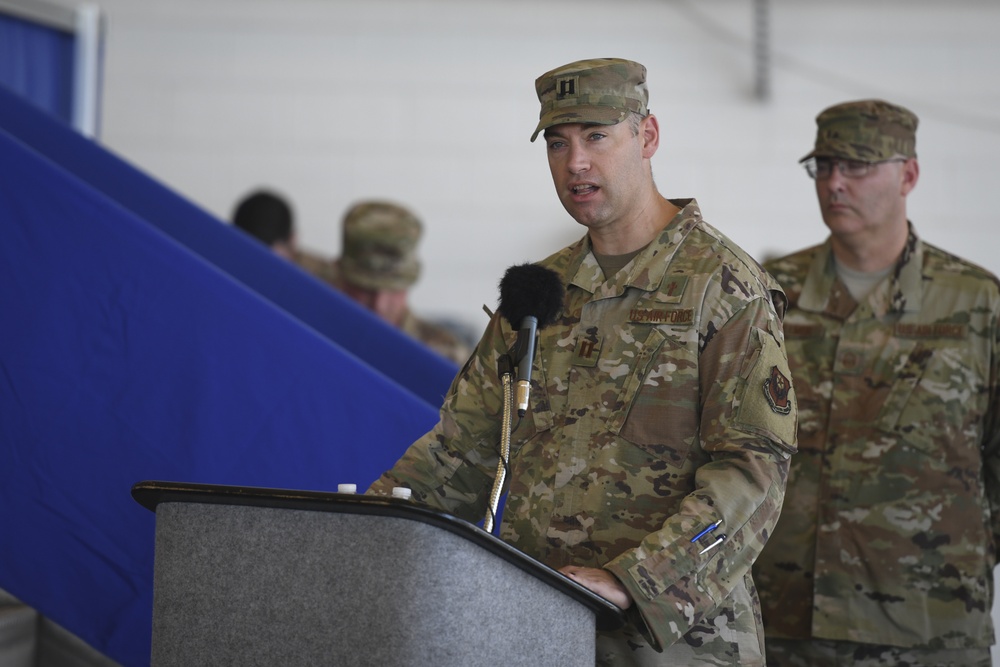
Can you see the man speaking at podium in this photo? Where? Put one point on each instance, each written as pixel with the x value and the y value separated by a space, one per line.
pixel 650 463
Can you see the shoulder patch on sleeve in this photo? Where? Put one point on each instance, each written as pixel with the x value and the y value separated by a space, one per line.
pixel 777 391
pixel 766 402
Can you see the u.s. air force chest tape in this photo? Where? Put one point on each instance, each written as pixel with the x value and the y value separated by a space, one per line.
pixel 673 316
pixel 588 345
pixel 765 404
pixel 666 309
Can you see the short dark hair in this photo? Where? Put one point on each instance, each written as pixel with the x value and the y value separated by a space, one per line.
pixel 266 216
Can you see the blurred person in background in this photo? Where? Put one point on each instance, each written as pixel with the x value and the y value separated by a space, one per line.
pixel 268 217
pixel 379 265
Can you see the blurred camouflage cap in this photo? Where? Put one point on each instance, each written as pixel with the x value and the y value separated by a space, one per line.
pixel 600 91
pixel 380 246
pixel 865 130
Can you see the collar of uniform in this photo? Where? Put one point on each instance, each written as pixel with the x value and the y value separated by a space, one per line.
pixel 819 282
pixel 649 266
pixel 905 283
pixel 908 277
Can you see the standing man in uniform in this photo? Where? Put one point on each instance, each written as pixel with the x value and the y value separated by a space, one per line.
pixel 378 265
pixel 885 550
pixel 660 404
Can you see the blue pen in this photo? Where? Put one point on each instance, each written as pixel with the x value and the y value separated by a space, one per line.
pixel 707 531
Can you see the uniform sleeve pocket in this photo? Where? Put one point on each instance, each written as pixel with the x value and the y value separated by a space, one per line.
pixel 765 402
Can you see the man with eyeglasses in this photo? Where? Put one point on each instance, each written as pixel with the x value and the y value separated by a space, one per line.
pixel 885 548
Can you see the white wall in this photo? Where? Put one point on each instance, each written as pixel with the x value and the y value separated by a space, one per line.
pixel 431 102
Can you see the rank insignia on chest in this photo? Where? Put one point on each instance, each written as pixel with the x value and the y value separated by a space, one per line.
pixel 588 349
pixel 776 388
pixel 673 288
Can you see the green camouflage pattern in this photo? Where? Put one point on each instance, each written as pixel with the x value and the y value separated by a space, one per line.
pixel 865 130
pixel 436 337
pixel 601 91
pixel 656 409
pixel 892 515
pixel 818 653
pixel 380 246
pixel 322 267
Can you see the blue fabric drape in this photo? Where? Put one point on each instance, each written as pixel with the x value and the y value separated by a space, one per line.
pixel 140 338
pixel 382 347
pixel 36 62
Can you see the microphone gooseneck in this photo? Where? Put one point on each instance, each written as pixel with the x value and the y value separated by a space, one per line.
pixel 531 297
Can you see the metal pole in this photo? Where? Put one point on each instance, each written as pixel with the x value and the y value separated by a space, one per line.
pixel 762 50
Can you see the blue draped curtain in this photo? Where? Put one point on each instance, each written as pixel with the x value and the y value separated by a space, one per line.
pixel 37 63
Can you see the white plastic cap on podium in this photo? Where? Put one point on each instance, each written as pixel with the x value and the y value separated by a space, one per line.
pixel 347 488
pixel 401 492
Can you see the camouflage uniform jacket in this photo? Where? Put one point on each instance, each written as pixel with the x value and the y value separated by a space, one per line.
pixel 435 337
pixel 659 404
pixel 318 266
pixel 888 534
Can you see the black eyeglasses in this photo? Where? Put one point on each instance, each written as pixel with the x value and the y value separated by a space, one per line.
pixel 821 168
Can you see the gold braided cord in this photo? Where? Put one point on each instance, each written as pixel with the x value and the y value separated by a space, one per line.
pixel 508 399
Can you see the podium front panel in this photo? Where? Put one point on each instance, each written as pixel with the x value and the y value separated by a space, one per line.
pixel 247 585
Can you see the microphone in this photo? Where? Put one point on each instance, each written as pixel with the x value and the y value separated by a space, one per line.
pixel 531 297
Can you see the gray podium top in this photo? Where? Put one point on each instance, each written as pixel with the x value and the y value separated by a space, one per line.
pixel 150 494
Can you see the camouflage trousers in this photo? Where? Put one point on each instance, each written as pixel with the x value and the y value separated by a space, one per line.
pixel 822 653
pixel 703 646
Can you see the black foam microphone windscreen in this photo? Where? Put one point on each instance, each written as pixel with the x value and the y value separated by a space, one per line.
pixel 531 297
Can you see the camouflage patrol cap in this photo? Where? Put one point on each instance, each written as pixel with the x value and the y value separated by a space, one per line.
pixel 600 91
pixel 380 246
pixel 865 130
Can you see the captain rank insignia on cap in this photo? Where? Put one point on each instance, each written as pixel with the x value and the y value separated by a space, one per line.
pixel 600 91
pixel 566 86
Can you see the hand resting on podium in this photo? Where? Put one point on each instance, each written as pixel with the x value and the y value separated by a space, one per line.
pixel 601 582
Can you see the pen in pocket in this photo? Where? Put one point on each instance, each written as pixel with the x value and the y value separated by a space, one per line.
pixel 719 540
pixel 707 530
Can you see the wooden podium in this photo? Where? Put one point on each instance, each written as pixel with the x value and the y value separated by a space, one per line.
pixel 253 576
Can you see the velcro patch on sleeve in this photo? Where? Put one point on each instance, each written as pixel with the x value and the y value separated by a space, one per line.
pixel 767 403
